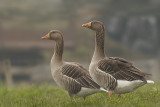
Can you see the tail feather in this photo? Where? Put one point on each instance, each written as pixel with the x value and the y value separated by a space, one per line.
pixel 103 89
pixel 148 74
pixel 150 82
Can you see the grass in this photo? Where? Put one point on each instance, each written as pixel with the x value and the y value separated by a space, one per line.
pixel 50 96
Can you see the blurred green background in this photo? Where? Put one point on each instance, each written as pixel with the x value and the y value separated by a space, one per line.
pixel 132 32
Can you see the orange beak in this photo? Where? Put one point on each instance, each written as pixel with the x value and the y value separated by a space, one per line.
pixel 87 24
pixel 46 36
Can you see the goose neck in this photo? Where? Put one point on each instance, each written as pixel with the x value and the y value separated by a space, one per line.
pixel 58 51
pixel 99 45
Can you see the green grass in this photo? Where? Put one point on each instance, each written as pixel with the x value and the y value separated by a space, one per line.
pixel 50 96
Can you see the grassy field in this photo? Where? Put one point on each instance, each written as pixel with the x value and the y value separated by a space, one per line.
pixel 50 96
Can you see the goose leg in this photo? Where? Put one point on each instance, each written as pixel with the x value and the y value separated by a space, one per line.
pixel 70 95
pixel 110 94
pixel 119 95
pixel 84 97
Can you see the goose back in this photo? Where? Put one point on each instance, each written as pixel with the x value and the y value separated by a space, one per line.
pixel 80 74
pixel 121 69
pixel 73 77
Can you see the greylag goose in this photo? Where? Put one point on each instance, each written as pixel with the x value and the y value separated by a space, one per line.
pixel 114 74
pixel 70 76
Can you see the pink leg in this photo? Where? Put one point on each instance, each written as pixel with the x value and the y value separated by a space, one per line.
pixel 70 95
pixel 110 94
pixel 84 97
pixel 119 95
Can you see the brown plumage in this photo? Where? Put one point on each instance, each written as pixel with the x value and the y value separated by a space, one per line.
pixel 121 69
pixel 80 74
pixel 70 76
pixel 114 74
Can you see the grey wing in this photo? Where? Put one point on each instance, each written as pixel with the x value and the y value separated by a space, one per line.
pixel 106 80
pixel 80 75
pixel 121 69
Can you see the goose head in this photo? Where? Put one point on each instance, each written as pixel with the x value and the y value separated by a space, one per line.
pixel 94 25
pixel 53 35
